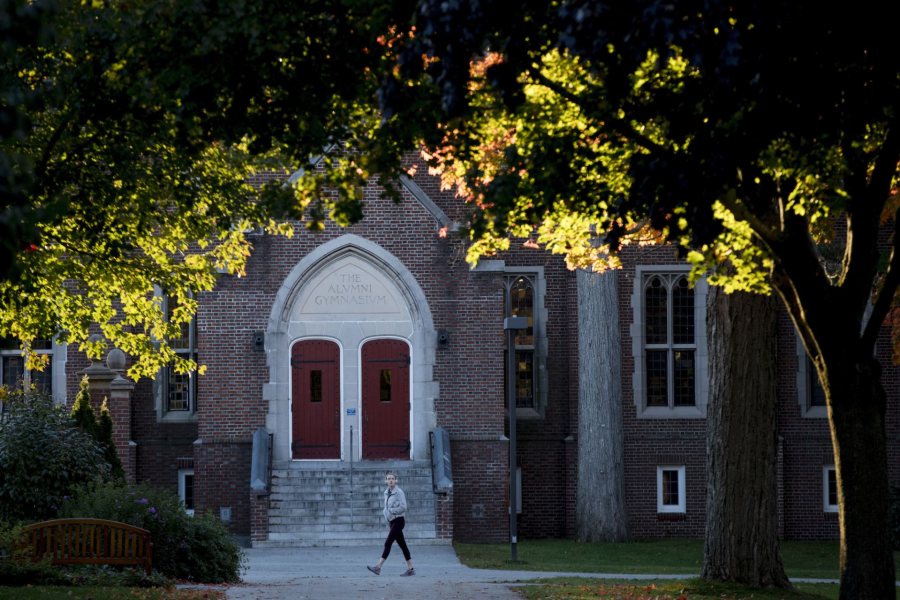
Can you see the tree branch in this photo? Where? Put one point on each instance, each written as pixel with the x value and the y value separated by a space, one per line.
pixel 765 233
pixel 868 199
pixel 41 169
pixel 885 298
pixel 617 125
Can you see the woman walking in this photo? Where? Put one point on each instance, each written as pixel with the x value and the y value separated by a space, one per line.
pixel 394 511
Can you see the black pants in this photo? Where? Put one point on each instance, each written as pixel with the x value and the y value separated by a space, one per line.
pixel 396 533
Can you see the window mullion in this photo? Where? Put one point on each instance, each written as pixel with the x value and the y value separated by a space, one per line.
pixel 670 337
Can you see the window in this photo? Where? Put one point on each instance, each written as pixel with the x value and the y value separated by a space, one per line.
pixel 670 490
pixel 523 298
pixel 177 392
pixel 51 380
pixel 810 393
pixel 669 334
pixel 829 489
pixel 186 489
pixel 384 386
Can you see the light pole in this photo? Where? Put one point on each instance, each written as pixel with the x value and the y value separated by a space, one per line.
pixel 512 325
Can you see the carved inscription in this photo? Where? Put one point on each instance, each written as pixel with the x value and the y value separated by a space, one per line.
pixel 349 289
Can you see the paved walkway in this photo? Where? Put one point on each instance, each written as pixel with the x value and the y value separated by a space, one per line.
pixel 331 573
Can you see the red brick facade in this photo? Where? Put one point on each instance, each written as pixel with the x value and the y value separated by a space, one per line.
pixel 465 382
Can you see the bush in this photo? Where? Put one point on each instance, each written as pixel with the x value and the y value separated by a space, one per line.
pixel 43 458
pixel 16 569
pixel 184 547
pixel 100 428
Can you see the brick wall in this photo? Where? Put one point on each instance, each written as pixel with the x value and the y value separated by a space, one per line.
pixel 222 479
pixel 480 490
pixel 471 403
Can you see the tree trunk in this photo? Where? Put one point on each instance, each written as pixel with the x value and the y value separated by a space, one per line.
pixel 600 498
pixel 857 403
pixel 742 441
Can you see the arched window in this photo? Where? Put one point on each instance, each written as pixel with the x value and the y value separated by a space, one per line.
pixel 669 343
pixel 522 298
pixel 520 303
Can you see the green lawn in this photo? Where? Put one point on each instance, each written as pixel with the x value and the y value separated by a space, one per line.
pixel 816 560
pixel 674 556
pixel 584 589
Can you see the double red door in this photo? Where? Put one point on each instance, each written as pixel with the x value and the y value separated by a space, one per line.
pixel 316 400
pixel 385 400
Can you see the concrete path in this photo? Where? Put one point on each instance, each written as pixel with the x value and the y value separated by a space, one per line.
pixel 330 573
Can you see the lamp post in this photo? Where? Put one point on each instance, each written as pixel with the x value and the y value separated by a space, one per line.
pixel 512 325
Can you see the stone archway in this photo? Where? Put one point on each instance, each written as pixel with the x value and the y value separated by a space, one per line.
pixel 349 291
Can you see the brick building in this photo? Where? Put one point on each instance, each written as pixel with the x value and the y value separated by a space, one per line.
pixel 351 345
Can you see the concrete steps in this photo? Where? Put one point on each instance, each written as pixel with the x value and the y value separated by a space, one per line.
pixel 325 503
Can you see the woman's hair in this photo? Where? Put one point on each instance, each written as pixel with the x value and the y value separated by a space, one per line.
pixel 391 473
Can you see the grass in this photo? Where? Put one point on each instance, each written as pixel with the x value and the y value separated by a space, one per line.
pixel 42 592
pixel 813 560
pixel 694 589
pixel 817 560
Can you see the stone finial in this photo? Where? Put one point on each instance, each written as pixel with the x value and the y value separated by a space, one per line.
pixel 115 360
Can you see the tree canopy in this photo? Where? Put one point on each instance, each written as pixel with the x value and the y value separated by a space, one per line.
pixel 731 131
pixel 132 132
pixel 761 138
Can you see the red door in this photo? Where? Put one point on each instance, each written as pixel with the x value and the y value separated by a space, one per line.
pixel 385 399
pixel 316 399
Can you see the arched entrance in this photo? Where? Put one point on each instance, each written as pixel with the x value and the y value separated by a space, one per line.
pixel 350 292
pixel 385 400
pixel 316 400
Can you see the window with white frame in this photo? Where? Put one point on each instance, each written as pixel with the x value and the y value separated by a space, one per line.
pixel 810 393
pixel 186 489
pixel 50 380
pixel 523 298
pixel 177 392
pixel 829 489
pixel 669 343
pixel 670 490
pixel 14 375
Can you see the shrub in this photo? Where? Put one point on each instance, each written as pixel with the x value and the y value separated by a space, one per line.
pixel 211 555
pixel 82 411
pixel 100 428
pixel 184 547
pixel 16 569
pixel 43 458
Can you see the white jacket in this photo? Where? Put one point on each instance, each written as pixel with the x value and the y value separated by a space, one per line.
pixel 394 503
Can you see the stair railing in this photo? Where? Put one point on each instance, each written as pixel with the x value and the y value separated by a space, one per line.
pixel 351 478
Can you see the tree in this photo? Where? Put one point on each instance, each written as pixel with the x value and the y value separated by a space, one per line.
pixel 600 494
pixel 23 25
pixel 741 541
pixel 82 412
pixel 725 129
pixel 133 139
pixel 100 428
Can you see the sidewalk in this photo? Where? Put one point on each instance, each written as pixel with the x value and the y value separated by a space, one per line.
pixel 331 573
